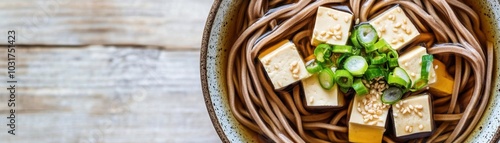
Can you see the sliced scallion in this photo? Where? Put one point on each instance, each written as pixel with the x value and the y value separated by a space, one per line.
pixel 382 46
pixel 372 73
pixel 391 95
pixel 397 74
pixel 359 87
pixel 326 78
pixel 426 66
pixel 356 65
pixel 366 35
pixel 343 78
pixel 322 52
pixel 342 49
pixel 392 58
pixel 378 59
pixel 313 67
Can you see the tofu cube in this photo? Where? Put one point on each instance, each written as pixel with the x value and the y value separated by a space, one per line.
pixel 444 81
pixel 395 27
pixel 412 117
pixel 332 27
pixel 318 97
pixel 411 62
pixel 283 64
pixel 368 119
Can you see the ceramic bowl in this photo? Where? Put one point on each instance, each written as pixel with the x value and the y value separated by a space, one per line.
pixel 213 61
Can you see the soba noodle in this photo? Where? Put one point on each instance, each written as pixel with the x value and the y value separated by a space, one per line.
pixel 450 29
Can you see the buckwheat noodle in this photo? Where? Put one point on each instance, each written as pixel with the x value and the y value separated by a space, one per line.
pixel 449 28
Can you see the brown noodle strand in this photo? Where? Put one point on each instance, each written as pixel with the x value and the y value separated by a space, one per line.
pixel 282 116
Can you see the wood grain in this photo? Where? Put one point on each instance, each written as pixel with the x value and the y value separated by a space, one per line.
pixel 106 94
pixel 165 23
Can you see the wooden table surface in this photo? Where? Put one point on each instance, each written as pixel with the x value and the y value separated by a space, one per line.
pixel 105 71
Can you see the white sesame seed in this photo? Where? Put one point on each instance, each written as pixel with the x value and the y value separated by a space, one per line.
pixel 397 25
pixel 394 41
pixel 294 63
pixel 435 66
pixel 371 111
pixel 338 37
pixel 296 71
pixel 394 114
pixel 411 107
pixel 322 33
pixel 346 19
pixel 405 21
pixel 398 10
pixel 395 30
pixel 391 17
pixel 407 128
pixel 408 31
pixel 363 113
pixel 397 106
pixel 373 123
pixel 410 129
pixel 404 111
pixel 276 67
pixel 375 116
pixel 359 109
pixel 337 27
pixel 365 120
pixel 419 107
pixel 421 127
pixel 420 114
pixel 295 76
pixel 401 39
pixel 379 112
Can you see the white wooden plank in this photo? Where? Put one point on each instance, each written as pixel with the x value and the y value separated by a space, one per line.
pixel 106 94
pixel 165 23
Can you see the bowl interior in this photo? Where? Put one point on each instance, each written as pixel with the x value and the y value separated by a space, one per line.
pixel 218 37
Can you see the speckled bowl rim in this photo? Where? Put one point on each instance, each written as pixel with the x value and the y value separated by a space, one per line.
pixel 203 70
pixel 473 137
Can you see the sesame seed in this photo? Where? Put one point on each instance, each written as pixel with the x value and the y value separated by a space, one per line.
pixel 359 109
pixel 373 123
pixel 334 16
pixel 357 21
pixel 294 63
pixel 371 111
pixel 435 66
pixel 411 107
pixel 322 33
pixel 311 100
pixel 337 33
pixel 391 17
pixel 420 114
pixel 421 127
pixel 346 19
pixel 370 117
pixel 338 37
pixel 404 102
pixel 397 25
pixel 397 106
pixel 394 41
pixel 375 116
pixel 401 39
pixel 404 111
pixel 363 113
pixel 419 106
pixel 405 21
pixel 296 71
pixel 398 10
pixel 394 114
pixel 295 76
pixel 279 84
pixel 365 120
pixel 407 128
pixel 395 30
pixel 379 112
pixel 276 67
pixel 337 27
pixel 410 129
pixel 408 31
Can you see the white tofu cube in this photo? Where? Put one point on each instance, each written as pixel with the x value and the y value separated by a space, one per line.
pixel 395 27
pixel 412 116
pixel 283 64
pixel 368 119
pixel 411 62
pixel 317 96
pixel 332 27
